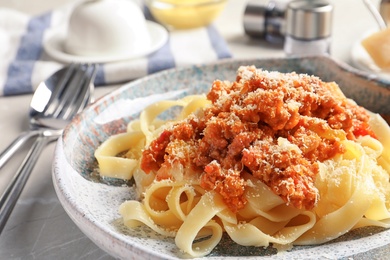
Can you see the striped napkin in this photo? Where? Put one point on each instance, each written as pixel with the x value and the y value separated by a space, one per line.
pixel 24 62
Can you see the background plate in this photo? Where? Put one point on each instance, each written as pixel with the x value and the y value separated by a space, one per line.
pixel 362 60
pixel 54 46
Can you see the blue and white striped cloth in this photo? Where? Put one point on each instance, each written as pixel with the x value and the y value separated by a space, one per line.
pixel 23 62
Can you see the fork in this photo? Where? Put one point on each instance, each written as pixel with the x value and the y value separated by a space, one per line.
pixel 72 94
pixel 41 117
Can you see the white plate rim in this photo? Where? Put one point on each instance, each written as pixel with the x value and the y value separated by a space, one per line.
pixel 53 46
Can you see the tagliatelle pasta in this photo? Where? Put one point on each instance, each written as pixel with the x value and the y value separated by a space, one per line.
pixel 272 158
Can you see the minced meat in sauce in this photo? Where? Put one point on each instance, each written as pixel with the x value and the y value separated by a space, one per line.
pixel 274 126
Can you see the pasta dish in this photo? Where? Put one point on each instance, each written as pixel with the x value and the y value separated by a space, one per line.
pixel 272 158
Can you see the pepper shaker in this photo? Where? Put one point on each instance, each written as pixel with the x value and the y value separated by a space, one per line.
pixel 308 27
pixel 265 19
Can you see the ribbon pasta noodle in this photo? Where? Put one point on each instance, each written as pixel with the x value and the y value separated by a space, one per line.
pixel 270 158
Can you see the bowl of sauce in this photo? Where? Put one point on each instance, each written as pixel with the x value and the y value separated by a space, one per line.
pixel 185 14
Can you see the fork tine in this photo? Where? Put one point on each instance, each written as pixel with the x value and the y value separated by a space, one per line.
pixel 89 86
pixel 82 94
pixel 70 92
pixel 57 91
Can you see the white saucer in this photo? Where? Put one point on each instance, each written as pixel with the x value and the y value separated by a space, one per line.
pixel 362 60
pixel 54 47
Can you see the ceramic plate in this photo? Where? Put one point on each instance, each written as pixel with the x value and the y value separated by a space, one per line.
pixel 362 60
pixel 54 46
pixel 93 205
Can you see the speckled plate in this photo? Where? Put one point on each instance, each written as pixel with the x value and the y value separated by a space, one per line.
pixel 93 205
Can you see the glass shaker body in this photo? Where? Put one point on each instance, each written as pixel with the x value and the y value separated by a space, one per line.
pixel 293 46
pixel 308 27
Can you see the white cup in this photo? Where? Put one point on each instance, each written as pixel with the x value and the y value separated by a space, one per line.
pixel 107 27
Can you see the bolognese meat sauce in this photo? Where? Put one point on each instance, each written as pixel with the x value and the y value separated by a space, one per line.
pixel 272 125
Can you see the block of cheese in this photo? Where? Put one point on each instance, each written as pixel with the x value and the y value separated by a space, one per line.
pixel 378 47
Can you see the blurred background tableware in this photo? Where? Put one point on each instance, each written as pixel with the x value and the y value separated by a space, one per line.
pixel 384 10
pixel 185 14
pixel 34 46
pixel 105 31
pixel 113 27
pixel 265 19
pixel 377 44
pixel 308 27
pixel 371 52
pixel 376 13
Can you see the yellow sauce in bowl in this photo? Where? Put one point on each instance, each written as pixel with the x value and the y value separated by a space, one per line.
pixel 185 14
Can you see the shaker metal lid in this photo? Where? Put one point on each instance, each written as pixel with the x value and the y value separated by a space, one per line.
pixel 265 19
pixel 309 19
pixel 254 18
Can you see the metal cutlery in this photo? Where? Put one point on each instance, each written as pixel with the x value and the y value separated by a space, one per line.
pixel 55 102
